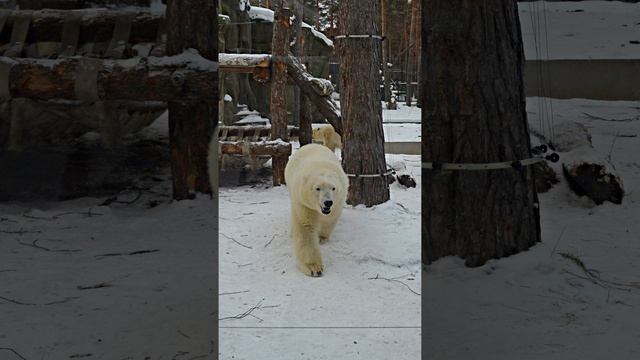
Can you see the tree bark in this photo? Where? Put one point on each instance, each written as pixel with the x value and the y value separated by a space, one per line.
pixel 474 112
pixel 363 138
pixel 385 51
pixel 150 79
pixel 191 124
pixel 411 55
pixel 280 45
pixel 296 50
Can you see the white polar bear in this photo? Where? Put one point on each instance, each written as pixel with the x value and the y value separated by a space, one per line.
pixel 329 137
pixel 317 187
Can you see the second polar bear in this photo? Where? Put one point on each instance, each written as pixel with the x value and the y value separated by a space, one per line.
pixel 317 188
pixel 328 136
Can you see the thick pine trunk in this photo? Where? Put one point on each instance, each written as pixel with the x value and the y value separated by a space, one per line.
pixel 191 124
pixel 280 49
pixel 474 112
pixel 363 138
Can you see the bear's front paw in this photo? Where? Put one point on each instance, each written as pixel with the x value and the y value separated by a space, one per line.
pixel 313 269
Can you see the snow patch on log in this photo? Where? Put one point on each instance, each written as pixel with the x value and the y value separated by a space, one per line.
pixel 245 60
pixel 263 14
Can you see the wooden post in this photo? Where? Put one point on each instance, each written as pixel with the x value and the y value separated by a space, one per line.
pixel 191 24
pixel 280 49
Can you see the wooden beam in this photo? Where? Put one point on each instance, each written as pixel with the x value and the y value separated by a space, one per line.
pixel 309 87
pixel 251 131
pixel 77 4
pixel 95 25
pixel 186 78
pixel 266 148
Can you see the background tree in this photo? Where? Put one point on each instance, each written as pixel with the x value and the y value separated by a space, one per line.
pixel 474 112
pixel 278 100
pixel 363 138
pixel 194 123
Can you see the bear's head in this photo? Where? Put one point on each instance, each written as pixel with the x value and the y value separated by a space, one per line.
pixel 325 193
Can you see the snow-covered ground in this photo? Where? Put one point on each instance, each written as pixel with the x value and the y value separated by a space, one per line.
pixel 269 307
pixel 344 314
pixel 539 304
pixel 580 30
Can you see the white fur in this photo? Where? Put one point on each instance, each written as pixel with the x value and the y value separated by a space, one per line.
pixel 328 136
pixel 314 176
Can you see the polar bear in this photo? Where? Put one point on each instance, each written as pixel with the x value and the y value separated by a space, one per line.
pixel 328 136
pixel 317 188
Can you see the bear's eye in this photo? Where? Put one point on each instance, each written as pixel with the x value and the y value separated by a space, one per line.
pixel 334 189
pixel 317 189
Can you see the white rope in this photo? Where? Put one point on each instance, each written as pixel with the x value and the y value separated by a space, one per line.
pixel 365 36
pixel 389 172
pixel 484 166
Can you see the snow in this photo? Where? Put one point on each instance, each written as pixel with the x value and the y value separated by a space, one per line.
pixel 602 30
pixel 404 114
pixel 262 271
pixel 242 59
pixel 264 14
pixel 537 304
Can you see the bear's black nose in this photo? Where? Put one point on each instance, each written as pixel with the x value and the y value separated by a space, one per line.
pixel 328 203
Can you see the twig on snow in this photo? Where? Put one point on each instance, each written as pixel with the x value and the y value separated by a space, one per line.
pixel 267 244
pixel 34 244
pixel 244 314
pixel 394 280
pixel 594 275
pixel 14 352
pixel 87 213
pixel 20 232
pixel 236 241
pixel 235 292
pixel 137 252
pixel 32 304
pixel 613 120
pixel 96 286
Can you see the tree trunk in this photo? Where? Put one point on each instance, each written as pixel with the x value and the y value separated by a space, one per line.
pixel 474 112
pixel 411 58
pixel 280 49
pixel 191 124
pixel 362 137
pixel 385 51
pixel 302 108
pixel 296 50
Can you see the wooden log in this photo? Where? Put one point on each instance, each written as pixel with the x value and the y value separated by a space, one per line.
pixel 186 78
pixel 96 26
pixel 250 131
pixel 588 173
pixel 595 180
pixel 192 24
pixel 256 64
pixel 78 4
pixel 280 44
pixel 323 102
pixel 273 148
